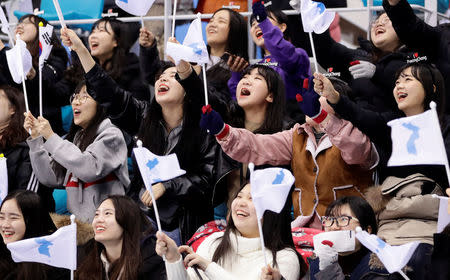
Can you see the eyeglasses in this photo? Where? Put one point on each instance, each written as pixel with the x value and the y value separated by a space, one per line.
pixel 81 98
pixel 383 21
pixel 341 221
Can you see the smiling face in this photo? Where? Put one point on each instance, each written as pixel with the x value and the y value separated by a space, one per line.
pixel 102 41
pixel 252 91
pixel 27 30
pixel 84 108
pixel 257 34
pixel 12 223
pixel 217 29
pixel 243 214
pixel 383 35
pixel 168 91
pixel 409 93
pixel 6 110
pixel 106 228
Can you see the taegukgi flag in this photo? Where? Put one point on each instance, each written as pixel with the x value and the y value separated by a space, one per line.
pixel 58 249
pixel 135 7
pixel 45 43
pixel 193 48
pixel 315 17
pixel 270 188
pixel 417 140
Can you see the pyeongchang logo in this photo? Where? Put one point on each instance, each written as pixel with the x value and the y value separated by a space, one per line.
pixel 330 73
pixel 416 58
pixel 268 62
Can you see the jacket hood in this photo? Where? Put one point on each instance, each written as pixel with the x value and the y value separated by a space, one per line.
pixel 84 230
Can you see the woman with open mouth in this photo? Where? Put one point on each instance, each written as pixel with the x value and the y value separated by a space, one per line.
pixel 168 124
pixel 123 246
pixel 91 162
pixel 236 253
pixel 52 71
pixel 23 215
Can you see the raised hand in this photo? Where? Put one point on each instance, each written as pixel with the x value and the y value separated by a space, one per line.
pixel 70 39
pixel 146 38
pixel 30 124
pixel 165 246
pixel 44 128
pixel 212 121
pixel 308 101
pixel 158 191
pixel 259 11
pixel 237 63
pixel 324 87
pixel 362 69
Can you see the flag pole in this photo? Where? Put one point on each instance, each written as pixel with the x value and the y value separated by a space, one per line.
pixel 205 84
pixel 173 18
pixel 40 74
pixel 23 77
pixel 436 119
pixel 72 221
pixel 313 49
pixel 251 167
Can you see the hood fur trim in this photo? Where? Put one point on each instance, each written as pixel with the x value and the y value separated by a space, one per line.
pixel 84 230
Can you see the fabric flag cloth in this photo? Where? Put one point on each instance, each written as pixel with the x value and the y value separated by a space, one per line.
pixel 444 213
pixel 3 178
pixel 269 188
pixel 12 56
pixel 135 7
pixel 4 21
pixel 315 17
pixel 394 258
pixel 417 140
pixel 45 43
pixel 193 48
pixel 58 249
pixel 342 240
pixel 155 168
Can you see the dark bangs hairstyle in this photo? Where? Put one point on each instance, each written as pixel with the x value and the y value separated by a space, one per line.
pixel 360 207
pixel 135 227
pixel 278 16
pixel 277 233
pixel 33 47
pixel 115 65
pixel 38 223
pixel 275 112
pixel 14 133
pixel 432 81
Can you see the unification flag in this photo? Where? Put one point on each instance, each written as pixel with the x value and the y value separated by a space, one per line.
pixel 155 168
pixel 4 21
pixel 14 56
pixel 269 188
pixel 417 140
pixel 58 249
pixel 193 48
pixel 315 17
pixel 3 178
pixel 135 7
pixel 45 43
pixel 394 258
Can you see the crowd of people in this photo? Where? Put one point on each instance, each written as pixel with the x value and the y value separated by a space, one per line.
pixel 330 129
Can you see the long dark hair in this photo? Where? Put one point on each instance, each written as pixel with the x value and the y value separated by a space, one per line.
pixel 33 47
pixel 115 65
pixel 38 223
pixel 277 233
pixel 273 121
pixel 432 81
pixel 153 136
pixel 135 225
pixel 14 133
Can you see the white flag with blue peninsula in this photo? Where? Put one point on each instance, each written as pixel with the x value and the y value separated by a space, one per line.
pixel 394 258
pixel 14 56
pixel 135 7
pixel 155 168
pixel 417 140
pixel 315 17
pixel 193 48
pixel 58 249
pixel 270 188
